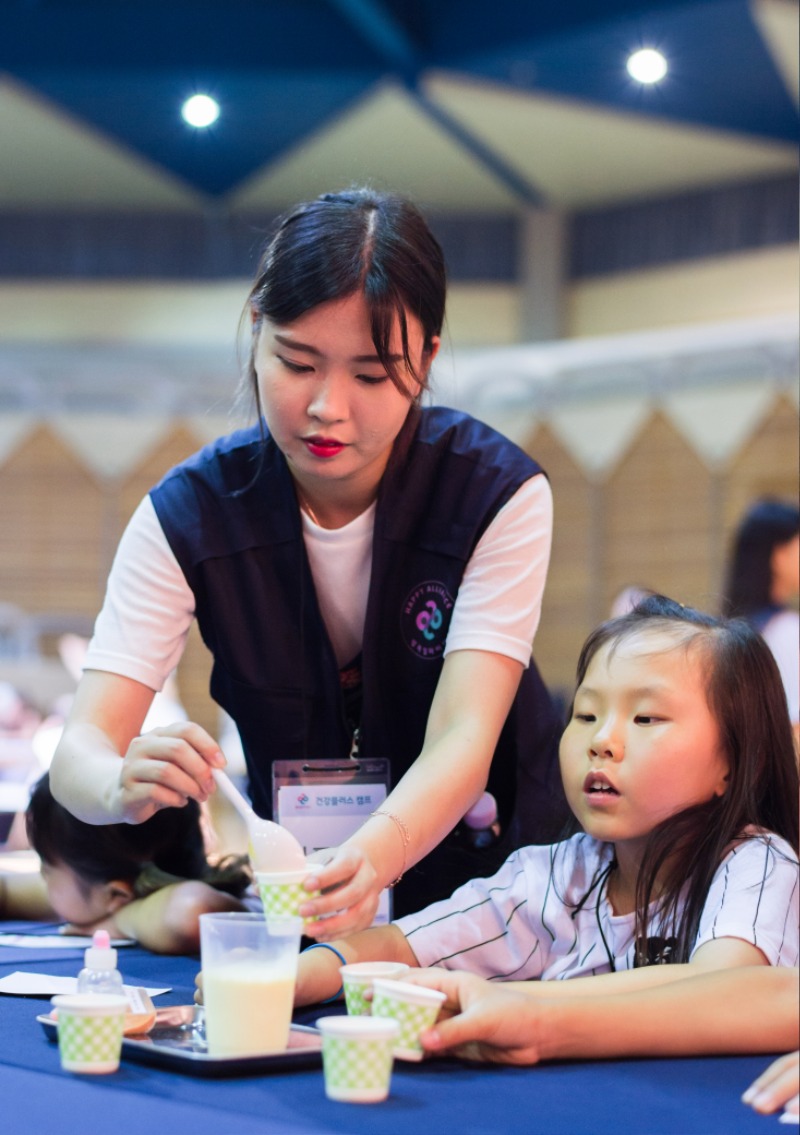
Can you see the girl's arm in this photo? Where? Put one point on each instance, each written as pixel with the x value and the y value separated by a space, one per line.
pixel 167 921
pixel 472 700
pixel 753 1009
pixel 23 894
pixel 318 968
pixel 721 954
pixel 104 772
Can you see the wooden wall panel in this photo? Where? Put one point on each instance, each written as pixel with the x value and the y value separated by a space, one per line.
pixel 658 518
pixel 53 516
pixel 767 465
pixel 566 612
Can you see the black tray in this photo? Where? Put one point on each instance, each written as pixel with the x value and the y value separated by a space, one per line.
pixel 177 1042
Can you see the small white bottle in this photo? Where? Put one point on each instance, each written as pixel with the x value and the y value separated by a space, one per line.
pixel 100 974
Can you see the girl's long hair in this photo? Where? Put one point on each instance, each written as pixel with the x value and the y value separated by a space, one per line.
pixel 167 848
pixel 746 697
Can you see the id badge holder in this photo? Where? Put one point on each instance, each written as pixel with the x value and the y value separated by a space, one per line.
pixel 322 803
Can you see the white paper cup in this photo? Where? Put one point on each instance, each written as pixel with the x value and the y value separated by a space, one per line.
pixel 357 979
pixel 414 1007
pixel 282 892
pixel 357 1057
pixel 249 971
pixel 90 1031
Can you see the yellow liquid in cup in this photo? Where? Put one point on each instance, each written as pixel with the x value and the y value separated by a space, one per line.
pixel 248 1010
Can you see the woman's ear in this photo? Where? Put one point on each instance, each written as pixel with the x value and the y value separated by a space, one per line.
pixel 117 893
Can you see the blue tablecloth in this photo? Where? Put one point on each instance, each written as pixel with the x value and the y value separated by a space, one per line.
pixel 437 1097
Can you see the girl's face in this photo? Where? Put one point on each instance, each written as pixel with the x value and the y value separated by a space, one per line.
pixel 76 902
pixel 785 564
pixel 641 744
pixel 329 404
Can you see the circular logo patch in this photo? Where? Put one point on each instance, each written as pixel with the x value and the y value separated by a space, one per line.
pixel 426 617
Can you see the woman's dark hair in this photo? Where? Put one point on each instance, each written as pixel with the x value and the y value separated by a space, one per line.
pixel 166 848
pixel 767 525
pixel 358 240
pixel 747 700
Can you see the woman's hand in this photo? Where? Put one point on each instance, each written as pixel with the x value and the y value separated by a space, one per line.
pixel 777 1086
pixel 350 893
pixel 165 768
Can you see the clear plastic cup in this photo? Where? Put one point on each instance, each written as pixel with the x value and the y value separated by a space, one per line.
pixel 249 972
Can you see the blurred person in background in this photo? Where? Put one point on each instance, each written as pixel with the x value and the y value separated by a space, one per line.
pixel 763 585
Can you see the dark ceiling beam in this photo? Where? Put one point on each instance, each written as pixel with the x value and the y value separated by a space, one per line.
pixel 370 20
pixel 384 34
pixel 523 190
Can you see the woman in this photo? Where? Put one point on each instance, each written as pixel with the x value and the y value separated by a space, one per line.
pixel 367 574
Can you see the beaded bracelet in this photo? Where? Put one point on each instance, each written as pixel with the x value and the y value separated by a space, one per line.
pixel 405 835
pixel 342 959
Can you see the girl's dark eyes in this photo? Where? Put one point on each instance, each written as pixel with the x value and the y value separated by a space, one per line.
pixel 584 717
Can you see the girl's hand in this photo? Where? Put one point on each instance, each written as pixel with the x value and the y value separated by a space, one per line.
pixel 480 1021
pixel 350 893
pixel 777 1086
pixel 165 768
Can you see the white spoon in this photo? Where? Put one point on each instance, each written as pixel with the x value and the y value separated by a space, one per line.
pixel 271 847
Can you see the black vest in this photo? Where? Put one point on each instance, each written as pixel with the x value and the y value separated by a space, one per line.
pixel 230 515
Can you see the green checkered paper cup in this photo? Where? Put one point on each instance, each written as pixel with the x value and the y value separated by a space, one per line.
pixel 90 1031
pixel 357 979
pixel 414 1007
pixel 282 892
pixel 357 1057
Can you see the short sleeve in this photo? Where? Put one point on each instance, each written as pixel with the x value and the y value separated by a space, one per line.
pixel 754 896
pixel 148 608
pixel 499 602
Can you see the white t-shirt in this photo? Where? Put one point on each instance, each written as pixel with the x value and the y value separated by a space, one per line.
pixel 521 924
pixel 141 630
pixel 782 635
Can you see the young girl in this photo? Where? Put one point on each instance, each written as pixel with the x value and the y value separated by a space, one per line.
pixel 367 573
pixel 678 764
pixel 148 881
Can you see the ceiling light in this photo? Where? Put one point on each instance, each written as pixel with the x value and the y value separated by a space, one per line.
pixel 647 65
pixel 200 111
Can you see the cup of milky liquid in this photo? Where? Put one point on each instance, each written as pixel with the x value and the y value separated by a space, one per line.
pixel 90 1031
pixel 249 964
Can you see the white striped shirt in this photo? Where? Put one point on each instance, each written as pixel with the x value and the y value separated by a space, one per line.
pixel 521 923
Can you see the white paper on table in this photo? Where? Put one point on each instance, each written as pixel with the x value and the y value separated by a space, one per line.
pixel 56 941
pixel 45 985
